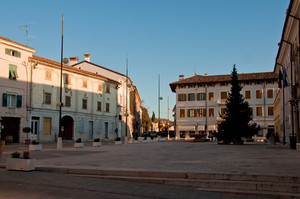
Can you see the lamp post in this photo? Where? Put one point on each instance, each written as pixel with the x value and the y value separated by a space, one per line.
pixel 159 98
pixel 65 61
pixel 126 111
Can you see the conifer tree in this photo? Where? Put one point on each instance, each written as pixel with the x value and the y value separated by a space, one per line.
pixel 237 116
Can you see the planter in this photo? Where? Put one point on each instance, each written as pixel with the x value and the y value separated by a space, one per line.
pixel 96 144
pixel 118 142
pixel 79 145
pixel 35 147
pixel 20 164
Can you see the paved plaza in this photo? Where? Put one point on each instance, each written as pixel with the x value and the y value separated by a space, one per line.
pixel 168 156
pixel 208 157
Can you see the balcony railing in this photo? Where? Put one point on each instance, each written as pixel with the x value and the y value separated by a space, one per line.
pixel 221 101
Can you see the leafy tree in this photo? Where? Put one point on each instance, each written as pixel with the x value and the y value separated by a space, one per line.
pixel 146 121
pixel 237 116
pixel 153 117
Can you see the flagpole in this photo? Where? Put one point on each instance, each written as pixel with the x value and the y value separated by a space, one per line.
pixel 59 139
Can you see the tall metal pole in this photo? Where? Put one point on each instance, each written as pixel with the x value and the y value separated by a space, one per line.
pixel 59 140
pixel 126 114
pixel 158 103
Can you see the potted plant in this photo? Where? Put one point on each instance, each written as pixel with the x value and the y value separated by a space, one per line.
pixel 78 143
pixel 20 164
pixel 97 142
pixel 27 131
pixel 118 140
pixel 35 146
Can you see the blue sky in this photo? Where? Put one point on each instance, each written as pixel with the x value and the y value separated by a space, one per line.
pixel 166 37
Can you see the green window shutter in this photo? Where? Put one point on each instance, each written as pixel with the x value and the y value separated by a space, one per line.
pixel 19 101
pixel 18 54
pixel 7 51
pixel 4 100
pixel 13 71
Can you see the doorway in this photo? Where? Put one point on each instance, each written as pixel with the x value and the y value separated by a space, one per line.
pixel 67 124
pixel 11 128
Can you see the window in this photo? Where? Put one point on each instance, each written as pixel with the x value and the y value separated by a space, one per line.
pixel 11 100
pixel 13 72
pixel 191 112
pixel 12 52
pixel 84 103
pixel 258 111
pixel 270 111
pixel 222 84
pixel 99 104
pixel 107 89
pixel 182 113
pixel 84 83
pixel 100 87
pixel 224 95
pixel 251 110
pixel 211 112
pixel 223 112
pixel 47 98
pixel 48 75
pixel 67 101
pixel 201 112
pixel 211 96
pixel 191 97
pixel 201 96
pixel 47 126
pixel 107 107
pixel 270 93
pixel 247 94
pixel 182 86
pixel 67 79
pixel 258 94
pixel 181 97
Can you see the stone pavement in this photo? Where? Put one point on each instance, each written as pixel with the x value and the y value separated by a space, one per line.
pixel 250 158
pixel 43 185
pixel 171 156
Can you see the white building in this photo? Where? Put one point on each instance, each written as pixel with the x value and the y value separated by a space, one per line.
pixel 89 102
pixel 127 96
pixel 288 62
pixel 14 76
pixel 201 99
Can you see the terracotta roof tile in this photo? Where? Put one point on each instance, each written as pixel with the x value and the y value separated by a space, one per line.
pixel 67 67
pixel 5 39
pixel 224 78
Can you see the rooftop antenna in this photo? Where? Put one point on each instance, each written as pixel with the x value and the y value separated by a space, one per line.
pixel 26 27
pixel 195 70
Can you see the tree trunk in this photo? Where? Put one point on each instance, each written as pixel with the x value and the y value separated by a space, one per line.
pixel 2 143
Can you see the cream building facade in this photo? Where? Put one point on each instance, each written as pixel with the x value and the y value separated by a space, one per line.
pixel 287 63
pixel 200 100
pixel 14 76
pixel 127 97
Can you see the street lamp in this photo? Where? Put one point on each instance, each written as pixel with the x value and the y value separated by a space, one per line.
pixel 65 61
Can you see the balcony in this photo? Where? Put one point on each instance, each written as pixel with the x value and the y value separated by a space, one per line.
pixel 221 101
pixel 219 119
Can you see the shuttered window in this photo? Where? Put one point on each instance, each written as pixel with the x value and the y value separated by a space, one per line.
pixel 47 126
pixel 12 52
pixel 13 72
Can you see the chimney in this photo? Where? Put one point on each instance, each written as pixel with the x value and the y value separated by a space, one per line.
pixel 181 77
pixel 73 60
pixel 87 57
pixel 205 74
